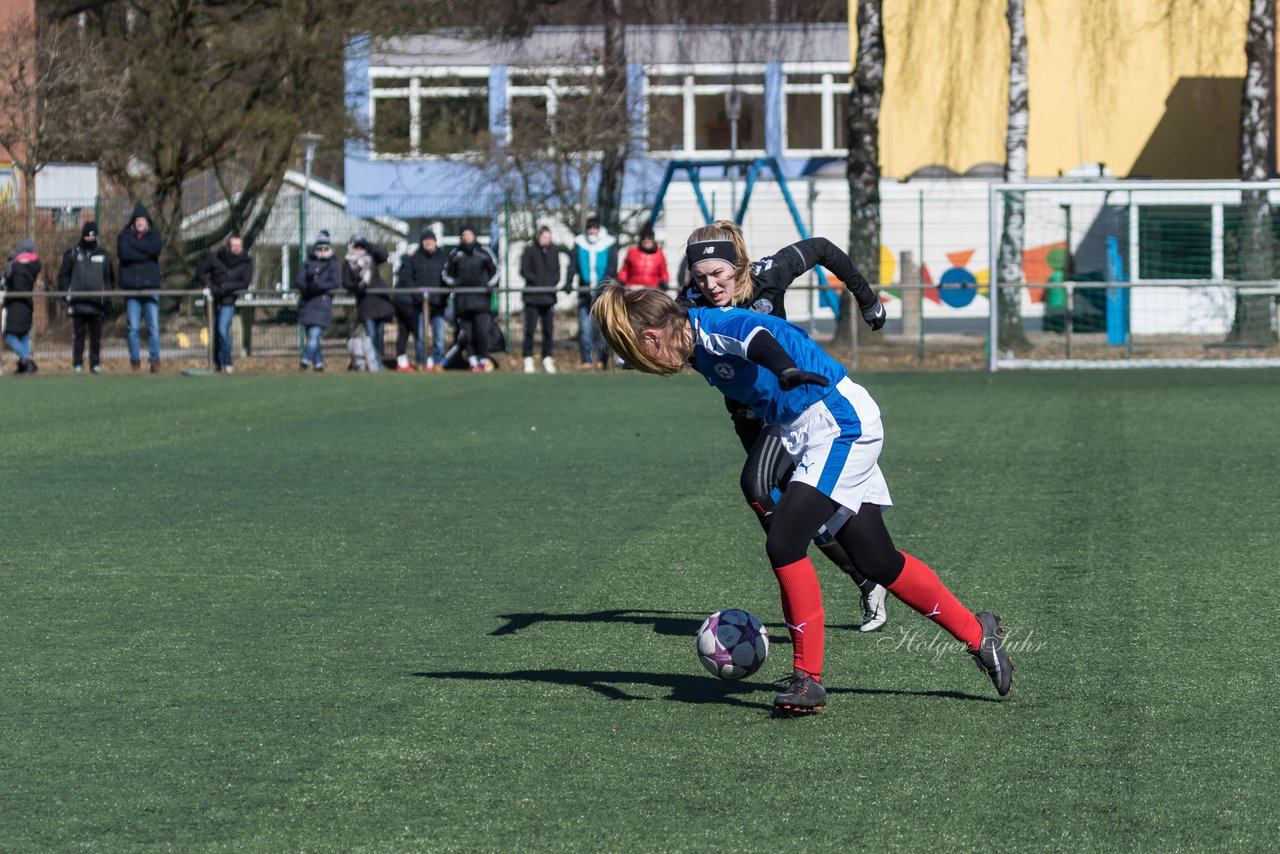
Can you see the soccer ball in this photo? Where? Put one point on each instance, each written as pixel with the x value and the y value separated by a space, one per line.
pixel 732 644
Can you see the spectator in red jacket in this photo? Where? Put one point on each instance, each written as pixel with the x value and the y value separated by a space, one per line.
pixel 645 265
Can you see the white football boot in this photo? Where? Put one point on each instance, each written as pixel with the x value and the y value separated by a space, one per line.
pixel 874 613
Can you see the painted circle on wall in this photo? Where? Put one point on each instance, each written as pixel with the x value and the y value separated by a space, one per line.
pixel 957 287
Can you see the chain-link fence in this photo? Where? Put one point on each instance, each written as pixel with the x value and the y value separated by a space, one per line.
pixel 1139 272
pixel 1084 247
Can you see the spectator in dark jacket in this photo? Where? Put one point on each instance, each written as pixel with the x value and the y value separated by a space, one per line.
pixel 225 274
pixel 360 275
pixel 424 268
pixel 316 282
pixel 473 269
pixel 86 267
pixel 20 274
pixel 429 273
pixel 540 269
pixel 138 247
pixel 594 259
pixel 419 269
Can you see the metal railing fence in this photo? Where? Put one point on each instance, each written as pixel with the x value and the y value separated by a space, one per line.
pixel 1067 326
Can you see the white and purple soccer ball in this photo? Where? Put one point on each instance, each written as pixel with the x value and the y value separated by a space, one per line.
pixel 732 644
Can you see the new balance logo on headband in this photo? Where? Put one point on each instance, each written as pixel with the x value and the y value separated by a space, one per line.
pixel 706 250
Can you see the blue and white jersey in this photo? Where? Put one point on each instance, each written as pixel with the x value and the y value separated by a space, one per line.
pixel 721 337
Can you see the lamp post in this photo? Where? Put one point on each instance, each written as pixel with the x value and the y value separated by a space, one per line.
pixel 733 111
pixel 309 141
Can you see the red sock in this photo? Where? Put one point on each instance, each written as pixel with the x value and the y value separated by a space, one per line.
pixel 919 587
pixel 802 609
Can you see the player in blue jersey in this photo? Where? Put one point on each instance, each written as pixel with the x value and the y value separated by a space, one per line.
pixel 720 274
pixel 831 429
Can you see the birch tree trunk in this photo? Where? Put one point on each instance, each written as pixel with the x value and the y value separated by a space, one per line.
pixel 1252 324
pixel 862 169
pixel 1009 265
pixel 613 164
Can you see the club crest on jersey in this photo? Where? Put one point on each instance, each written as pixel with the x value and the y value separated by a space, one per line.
pixel 725 371
pixel 762 306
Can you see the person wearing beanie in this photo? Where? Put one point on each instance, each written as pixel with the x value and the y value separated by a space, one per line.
pixel 540 269
pixel 138 247
pixel 20 275
pixel 360 277
pixel 316 282
pixel 225 274
pixel 645 266
pixel 473 270
pixel 594 259
pixel 86 267
pixel 422 269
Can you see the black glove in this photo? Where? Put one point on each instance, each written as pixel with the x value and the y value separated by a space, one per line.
pixel 792 377
pixel 874 315
pixel 568 288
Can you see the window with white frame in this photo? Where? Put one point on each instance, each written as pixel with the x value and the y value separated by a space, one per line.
pixel 428 111
pixel 815 103
pixel 434 111
pixel 558 103
pixel 690 110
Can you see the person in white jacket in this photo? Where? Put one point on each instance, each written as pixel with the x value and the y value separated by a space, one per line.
pixel 594 259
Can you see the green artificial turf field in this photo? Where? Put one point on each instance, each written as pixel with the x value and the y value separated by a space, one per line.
pixel 325 613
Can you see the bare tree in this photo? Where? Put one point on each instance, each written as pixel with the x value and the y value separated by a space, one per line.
pixel 548 165
pixel 863 166
pixel 613 83
pixel 747 32
pixel 1009 265
pixel 59 98
pixel 509 21
pixel 219 89
pixel 1252 324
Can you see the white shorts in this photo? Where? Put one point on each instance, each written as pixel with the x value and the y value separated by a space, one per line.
pixel 836 444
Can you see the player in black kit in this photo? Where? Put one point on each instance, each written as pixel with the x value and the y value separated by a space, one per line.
pixel 720 275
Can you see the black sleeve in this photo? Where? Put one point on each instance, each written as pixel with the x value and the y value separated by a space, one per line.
pixel 64 272
pixel 151 243
pixel 490 268
pixel 349 281
pixel 526 267
pixel 449 273
pixel 205 271
pixel 766 352
pixel 242 279
pixel 781 269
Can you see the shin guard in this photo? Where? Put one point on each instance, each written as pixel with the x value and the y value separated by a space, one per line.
pixel 802 609
pixel 919 587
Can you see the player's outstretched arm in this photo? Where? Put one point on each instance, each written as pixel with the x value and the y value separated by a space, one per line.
pixel 804 255
pixel 766 352
pixel 841 265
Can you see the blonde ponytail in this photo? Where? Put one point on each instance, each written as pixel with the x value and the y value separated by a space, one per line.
pixel 623 316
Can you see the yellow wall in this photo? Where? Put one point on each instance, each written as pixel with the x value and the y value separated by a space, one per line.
pixel 1148 87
